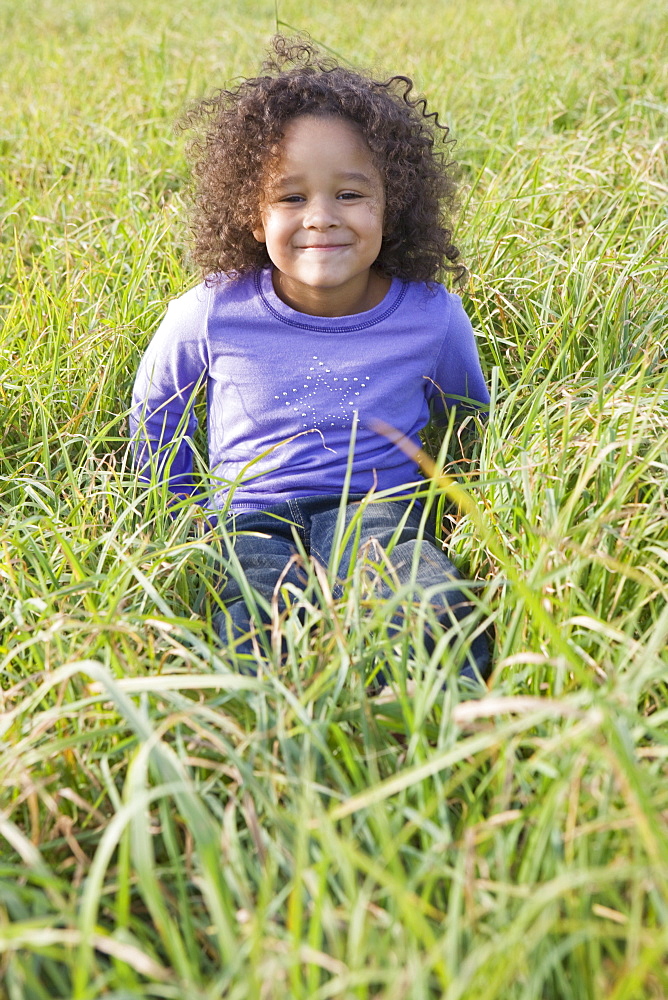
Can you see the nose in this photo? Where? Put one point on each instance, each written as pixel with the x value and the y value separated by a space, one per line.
pixel 320 214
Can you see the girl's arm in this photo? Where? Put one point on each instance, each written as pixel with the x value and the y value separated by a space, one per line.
pixel 162 420
pixel 457 378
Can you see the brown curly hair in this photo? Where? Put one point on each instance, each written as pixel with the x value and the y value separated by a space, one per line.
pixel 238 134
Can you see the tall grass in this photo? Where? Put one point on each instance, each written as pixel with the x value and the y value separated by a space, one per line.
pixel 173 828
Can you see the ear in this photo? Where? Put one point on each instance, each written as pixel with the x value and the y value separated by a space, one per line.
pixel 259 234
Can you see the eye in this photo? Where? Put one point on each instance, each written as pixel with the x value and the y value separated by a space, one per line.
pixel 349 195
pixel 292 199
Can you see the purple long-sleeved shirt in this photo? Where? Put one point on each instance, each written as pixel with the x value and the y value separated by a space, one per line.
pixel 283 388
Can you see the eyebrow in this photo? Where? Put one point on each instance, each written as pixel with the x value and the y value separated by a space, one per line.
pixel 347 176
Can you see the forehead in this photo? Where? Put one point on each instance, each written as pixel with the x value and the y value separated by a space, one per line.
pixel 312 139
pixel 323 126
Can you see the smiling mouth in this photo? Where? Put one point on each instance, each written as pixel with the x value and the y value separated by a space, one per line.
pixel 326 246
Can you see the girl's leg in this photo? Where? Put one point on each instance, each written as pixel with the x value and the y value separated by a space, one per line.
pixel 415 556
pixel 261 557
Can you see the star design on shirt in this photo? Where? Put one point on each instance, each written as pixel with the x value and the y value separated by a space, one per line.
pixel 323 400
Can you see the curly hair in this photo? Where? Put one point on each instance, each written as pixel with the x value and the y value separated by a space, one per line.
pixel 238 136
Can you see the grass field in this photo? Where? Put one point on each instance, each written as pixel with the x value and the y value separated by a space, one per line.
pixel 172 829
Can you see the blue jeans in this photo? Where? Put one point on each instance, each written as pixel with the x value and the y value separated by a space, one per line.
pixel 263 544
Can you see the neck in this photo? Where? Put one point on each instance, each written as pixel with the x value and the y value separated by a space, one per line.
pixel 358 296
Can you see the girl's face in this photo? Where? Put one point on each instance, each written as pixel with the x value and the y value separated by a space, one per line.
pixel 322 219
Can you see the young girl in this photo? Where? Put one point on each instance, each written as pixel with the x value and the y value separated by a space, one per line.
pixel 319 229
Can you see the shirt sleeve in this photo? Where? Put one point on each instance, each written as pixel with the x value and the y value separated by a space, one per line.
pixel 162 419
pixel 457 378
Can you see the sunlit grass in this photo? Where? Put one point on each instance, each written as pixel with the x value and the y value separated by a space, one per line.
pixel 173 828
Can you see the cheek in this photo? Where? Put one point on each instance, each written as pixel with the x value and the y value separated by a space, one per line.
pixel 269 228
pixel 259 228
pixel 377 212
pixel 377 222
